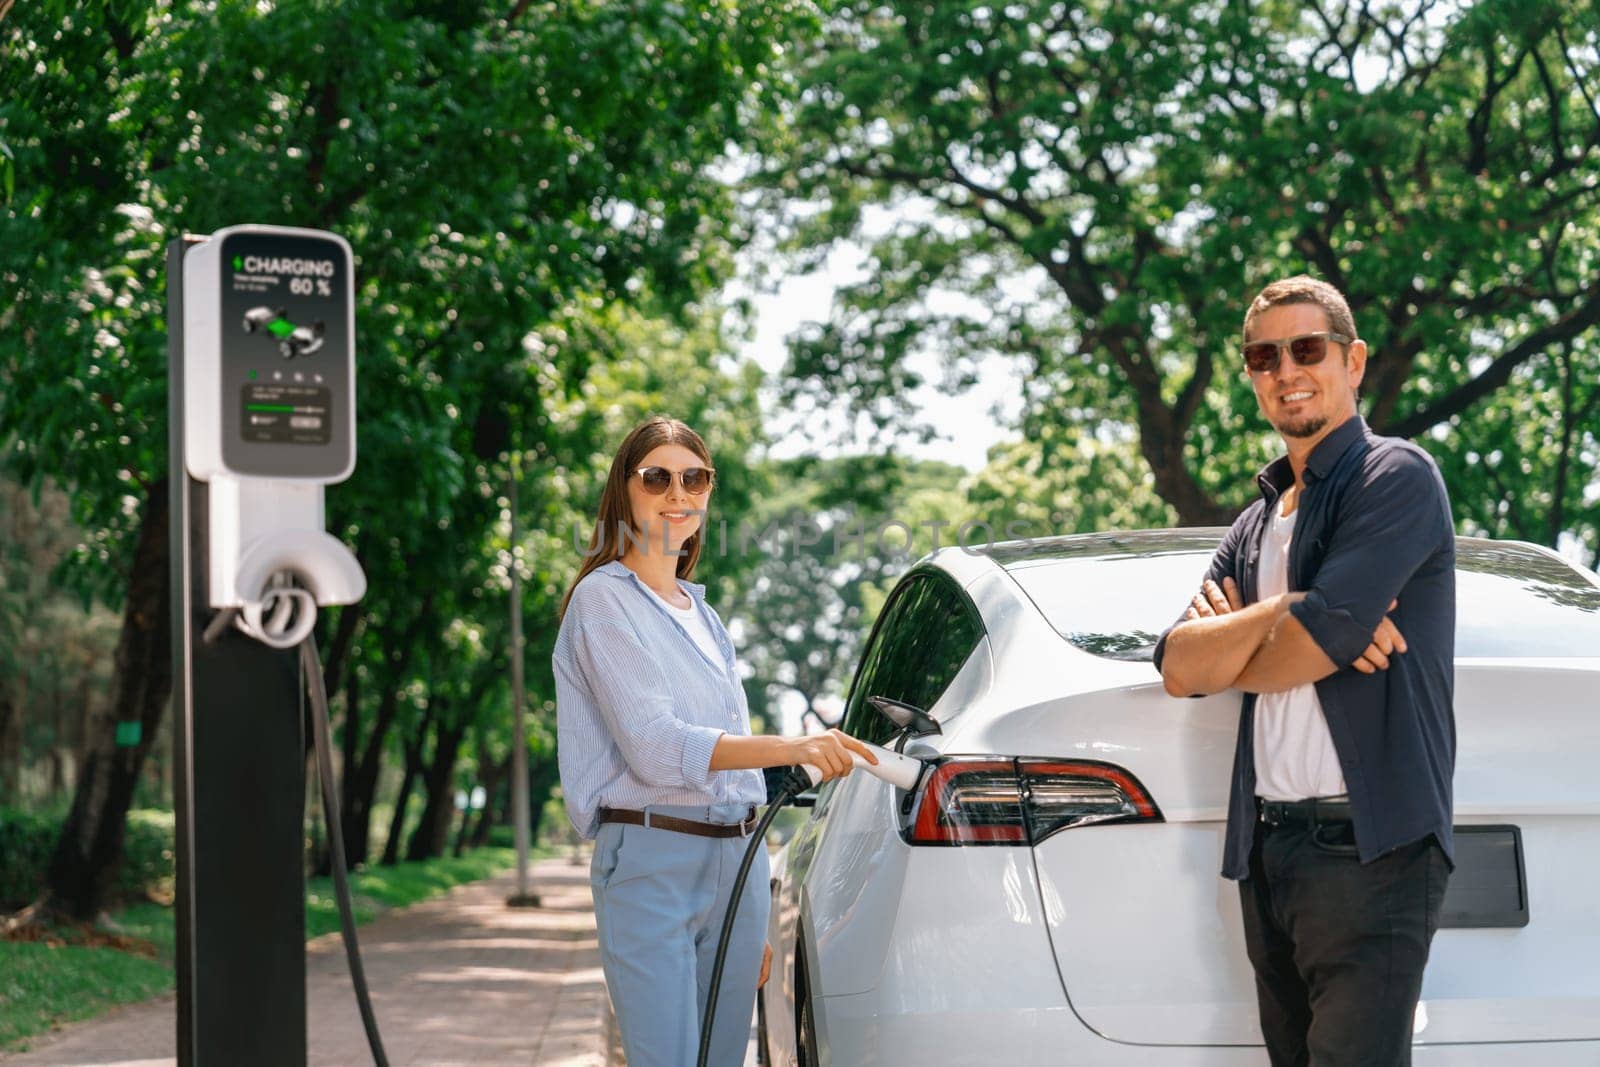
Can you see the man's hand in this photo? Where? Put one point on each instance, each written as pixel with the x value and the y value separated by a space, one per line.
pixel 1386 641
pixel 1213 600
pixel 1217 637
pixel 766 965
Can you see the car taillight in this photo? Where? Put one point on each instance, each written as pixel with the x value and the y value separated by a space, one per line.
pixel 983 800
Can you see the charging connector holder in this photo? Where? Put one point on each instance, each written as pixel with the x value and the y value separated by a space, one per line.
pixel 271 560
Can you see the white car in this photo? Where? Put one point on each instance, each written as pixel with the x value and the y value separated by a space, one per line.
pixel 1049 894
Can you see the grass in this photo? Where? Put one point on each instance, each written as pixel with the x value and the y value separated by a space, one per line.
pixel 44 986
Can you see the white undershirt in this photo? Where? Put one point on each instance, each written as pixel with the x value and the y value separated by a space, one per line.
pixel 1295 757
pixel 695 623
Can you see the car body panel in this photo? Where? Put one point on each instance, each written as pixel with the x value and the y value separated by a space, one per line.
pixel 1130 950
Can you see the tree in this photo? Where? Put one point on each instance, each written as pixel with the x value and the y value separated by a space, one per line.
pixel 490 170
pixel 828 540
pixel 1095 189
pixel 54 654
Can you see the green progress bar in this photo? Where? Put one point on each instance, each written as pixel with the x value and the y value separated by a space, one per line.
pixel 268 407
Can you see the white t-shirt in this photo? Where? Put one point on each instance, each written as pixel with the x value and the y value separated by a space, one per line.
pixel 1295 757
pixel 695 623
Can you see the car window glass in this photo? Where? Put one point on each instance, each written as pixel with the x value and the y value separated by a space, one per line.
pixel 927 632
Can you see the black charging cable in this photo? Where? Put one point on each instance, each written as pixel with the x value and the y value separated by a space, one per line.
pixel 797 782
pixel 311 664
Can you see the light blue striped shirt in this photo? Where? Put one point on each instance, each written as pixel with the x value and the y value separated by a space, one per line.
pixel 639 705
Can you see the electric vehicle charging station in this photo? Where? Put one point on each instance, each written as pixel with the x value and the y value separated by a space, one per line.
pixel 261 329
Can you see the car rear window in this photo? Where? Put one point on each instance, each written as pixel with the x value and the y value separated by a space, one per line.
pixel 1511 601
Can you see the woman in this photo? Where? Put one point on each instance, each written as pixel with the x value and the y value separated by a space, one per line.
pixel 657 761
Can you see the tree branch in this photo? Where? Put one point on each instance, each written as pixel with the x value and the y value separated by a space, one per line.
pixel 1483 114
pixel 1499 372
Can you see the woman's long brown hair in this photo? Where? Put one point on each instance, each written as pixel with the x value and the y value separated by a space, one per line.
pixel 616 510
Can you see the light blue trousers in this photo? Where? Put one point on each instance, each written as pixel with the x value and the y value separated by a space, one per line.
pixel 659 901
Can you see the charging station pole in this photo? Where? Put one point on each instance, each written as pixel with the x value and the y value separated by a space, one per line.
pixel 255 429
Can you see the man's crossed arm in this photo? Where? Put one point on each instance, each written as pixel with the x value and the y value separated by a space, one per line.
pixel 1222 644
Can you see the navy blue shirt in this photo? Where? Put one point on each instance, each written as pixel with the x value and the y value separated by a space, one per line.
pixel 1374 526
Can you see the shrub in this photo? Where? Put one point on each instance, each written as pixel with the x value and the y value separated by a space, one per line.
pixel 148 863
pixel 26 842
pixel 28 839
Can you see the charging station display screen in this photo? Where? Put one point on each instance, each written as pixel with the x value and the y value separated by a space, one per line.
pixel 286 414
pixel 287 373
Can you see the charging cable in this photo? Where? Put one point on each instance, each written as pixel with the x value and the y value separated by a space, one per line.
pixel 797 782
pixel 282 618
pixel 311 664
pixel 896 768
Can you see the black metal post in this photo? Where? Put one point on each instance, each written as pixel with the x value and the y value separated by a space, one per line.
pixel 239 794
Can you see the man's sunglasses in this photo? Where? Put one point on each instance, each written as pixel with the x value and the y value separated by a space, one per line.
pixel 657 480
pixel 1307 349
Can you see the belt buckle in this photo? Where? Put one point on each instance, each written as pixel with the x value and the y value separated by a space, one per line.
pixel 1275 813
pixel 748 824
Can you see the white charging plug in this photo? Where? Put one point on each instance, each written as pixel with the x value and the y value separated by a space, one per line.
pixel 896 768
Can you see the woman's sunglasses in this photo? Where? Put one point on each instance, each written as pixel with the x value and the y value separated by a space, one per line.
pixel 1307 349
pixel 657 480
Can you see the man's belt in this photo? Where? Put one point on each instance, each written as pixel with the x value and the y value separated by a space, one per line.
pixel 681 826
pixel 1313 812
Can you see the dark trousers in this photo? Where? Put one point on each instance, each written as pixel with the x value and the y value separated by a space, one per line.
pixel 1339 946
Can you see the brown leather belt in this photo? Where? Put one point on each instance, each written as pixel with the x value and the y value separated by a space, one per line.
pixel 682 826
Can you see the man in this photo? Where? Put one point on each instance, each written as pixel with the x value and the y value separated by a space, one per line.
pixel 1331 604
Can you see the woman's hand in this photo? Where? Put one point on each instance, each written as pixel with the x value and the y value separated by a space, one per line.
pixel 766 964
pixel 829 752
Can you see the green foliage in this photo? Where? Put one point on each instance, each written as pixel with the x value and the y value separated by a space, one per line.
pixel 148 864
pixel 491 173
pixel 1096 190
pixel 55 656
pixel 28 840
pixel 538 215
pixel 825 543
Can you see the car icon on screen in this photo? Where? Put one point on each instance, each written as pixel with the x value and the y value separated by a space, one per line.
pixel 292 340
pixel 264 318
pixel 304 341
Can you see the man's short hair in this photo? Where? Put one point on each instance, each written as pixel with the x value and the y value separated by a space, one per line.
pixel 1304 289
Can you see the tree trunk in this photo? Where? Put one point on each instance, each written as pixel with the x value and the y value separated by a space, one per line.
pixel 10 744
pixel 494 782
pixel 429 838
pixel 391 848
pixel 397 822
pixel 349 742
pixel 344 634
pixel 360 785
pixel 322 865
pixel 542 779
pixel 89 852
pixel 361 778
pixel 461 833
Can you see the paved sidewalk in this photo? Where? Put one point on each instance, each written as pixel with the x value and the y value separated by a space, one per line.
pixel 457 980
